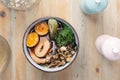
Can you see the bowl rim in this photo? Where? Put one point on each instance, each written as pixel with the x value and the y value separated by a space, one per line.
pixel 31 26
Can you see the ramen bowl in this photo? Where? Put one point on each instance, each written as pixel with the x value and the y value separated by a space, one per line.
pixel 50 44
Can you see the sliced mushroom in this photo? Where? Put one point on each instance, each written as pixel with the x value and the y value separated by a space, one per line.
pixel 69 59
pixel 42 48
pixel 72 52
pixel 54 64
pixel 63 48
pixel 61 63
pixel 62 58
pixel 56 56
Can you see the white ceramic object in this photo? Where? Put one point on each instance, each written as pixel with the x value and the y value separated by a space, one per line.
pixel 109 47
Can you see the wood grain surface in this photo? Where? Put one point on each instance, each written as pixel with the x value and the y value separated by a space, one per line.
pixel 89 64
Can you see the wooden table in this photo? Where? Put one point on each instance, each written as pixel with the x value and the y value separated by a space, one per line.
pixel 89 65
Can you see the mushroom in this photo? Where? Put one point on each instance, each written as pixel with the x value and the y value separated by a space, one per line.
pixel 63 48
pixel 72 52
pixel 61 63
pixel 56 56
pixel 69 59
pixel 54 63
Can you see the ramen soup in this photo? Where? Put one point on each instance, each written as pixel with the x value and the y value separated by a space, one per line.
pixel 51 43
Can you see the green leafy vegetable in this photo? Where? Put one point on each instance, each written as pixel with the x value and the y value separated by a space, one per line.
pixel 64 36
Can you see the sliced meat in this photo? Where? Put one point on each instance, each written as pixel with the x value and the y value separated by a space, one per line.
pixel 38 60
pixel 42 48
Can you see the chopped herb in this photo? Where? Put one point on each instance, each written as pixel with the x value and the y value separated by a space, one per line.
pixel 64 36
